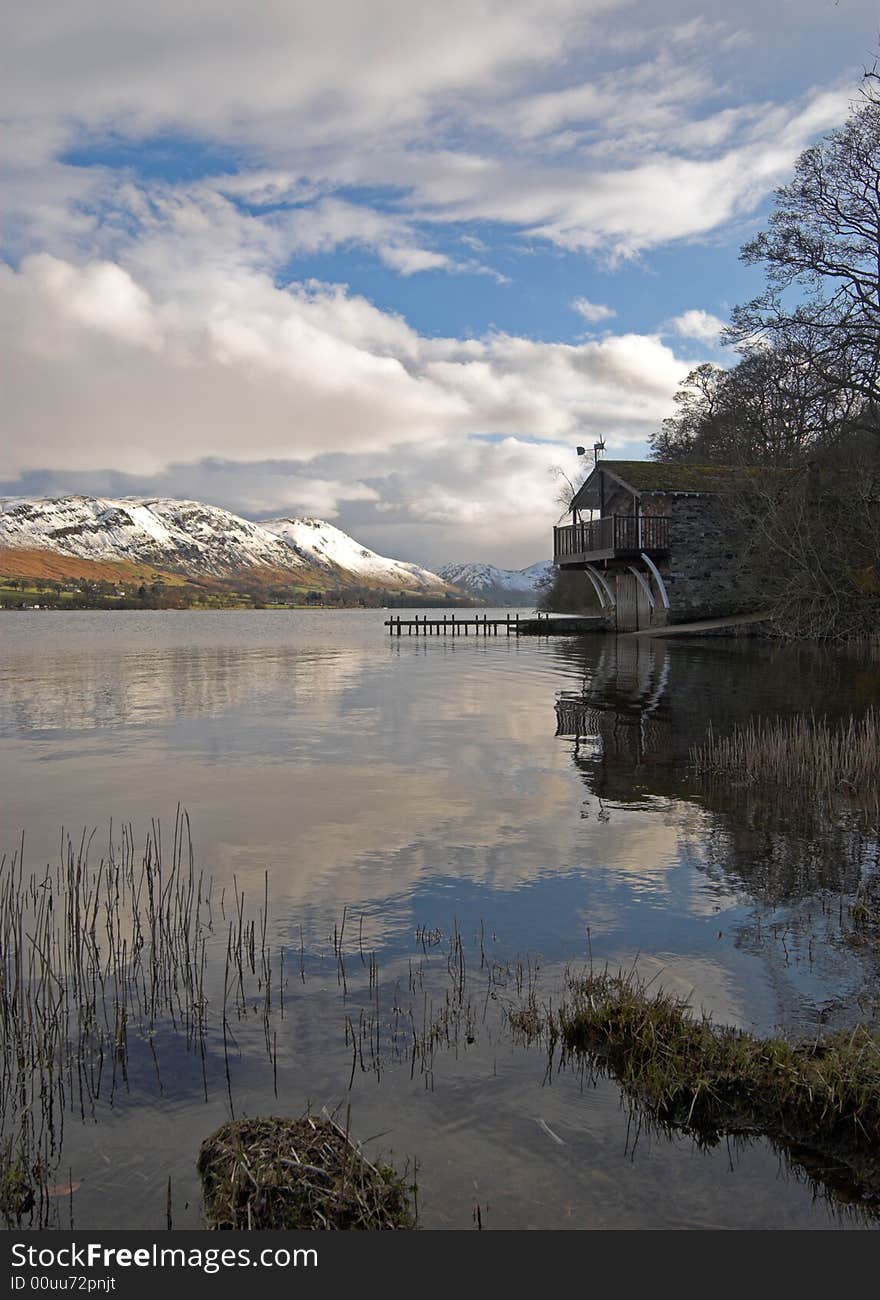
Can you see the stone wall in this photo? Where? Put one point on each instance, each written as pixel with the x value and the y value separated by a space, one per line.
pixel 705 573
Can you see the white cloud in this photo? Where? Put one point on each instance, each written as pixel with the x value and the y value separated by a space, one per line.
pixel 698 324
pixel 260 490
pixel 466 500
pixel 660 199
pixel 332 222
pixel 106 371
pixel 148 322
pixel 461 115
pixel 289 76
pixel 101 296
pixel 592 311
pixel 190 386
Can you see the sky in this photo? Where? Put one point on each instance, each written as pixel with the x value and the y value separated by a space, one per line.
pixel 385 262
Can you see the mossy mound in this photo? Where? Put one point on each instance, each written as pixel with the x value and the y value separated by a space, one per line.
pixel 819 1099
pixel 297 1174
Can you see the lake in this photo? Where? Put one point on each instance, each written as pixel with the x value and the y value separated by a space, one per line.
pixel 426 831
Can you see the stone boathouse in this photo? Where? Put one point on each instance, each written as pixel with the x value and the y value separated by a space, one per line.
pixel 659 542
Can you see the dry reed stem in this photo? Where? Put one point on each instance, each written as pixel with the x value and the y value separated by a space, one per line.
pixel 800 752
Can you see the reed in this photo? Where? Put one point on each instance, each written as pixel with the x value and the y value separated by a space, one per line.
pixel 802 753
pixel 90 954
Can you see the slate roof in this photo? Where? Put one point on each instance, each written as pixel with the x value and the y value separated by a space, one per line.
pixel 648 476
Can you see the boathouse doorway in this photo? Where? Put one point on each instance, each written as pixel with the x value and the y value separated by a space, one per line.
pixel 632 604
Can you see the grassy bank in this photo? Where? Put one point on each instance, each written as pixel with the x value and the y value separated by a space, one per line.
pixel 819 1100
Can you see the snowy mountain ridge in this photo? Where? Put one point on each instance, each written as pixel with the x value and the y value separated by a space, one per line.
pixel 200 540
pixel 487 582
pixel 326 547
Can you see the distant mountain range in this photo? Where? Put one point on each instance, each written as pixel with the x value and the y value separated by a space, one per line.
pixel 499 586
pixel 117 538
pixel 193 539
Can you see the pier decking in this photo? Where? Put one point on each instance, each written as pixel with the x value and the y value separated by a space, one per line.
pixel 449 625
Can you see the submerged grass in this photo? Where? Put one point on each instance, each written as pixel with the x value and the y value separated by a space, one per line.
pixel 298 1174
pixel 819 1099
pixel 800 752
pixel 16 1185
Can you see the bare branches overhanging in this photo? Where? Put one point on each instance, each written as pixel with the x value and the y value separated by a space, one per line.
pixel 805 393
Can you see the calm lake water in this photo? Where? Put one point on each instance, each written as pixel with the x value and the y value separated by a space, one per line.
pixel 530 797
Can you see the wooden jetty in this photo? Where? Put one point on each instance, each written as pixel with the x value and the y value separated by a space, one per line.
pixel 449 625
pixel 485 625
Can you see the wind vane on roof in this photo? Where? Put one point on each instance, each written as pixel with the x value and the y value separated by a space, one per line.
pixel 598 448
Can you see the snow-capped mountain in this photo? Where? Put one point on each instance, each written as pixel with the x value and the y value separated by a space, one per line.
pixel 181 535
pixel 506 586
pixel 200 540
pixel 325 547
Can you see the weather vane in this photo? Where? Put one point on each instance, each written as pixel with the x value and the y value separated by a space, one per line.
pixel 598 448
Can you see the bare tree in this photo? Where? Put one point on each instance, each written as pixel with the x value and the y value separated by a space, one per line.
pixel 821 252
pixel 803 401
pixel 567 487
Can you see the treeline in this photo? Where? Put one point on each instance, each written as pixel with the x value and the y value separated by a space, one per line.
pixel 568 591
pixel 362 597
pixel 87 593
pixel 802 403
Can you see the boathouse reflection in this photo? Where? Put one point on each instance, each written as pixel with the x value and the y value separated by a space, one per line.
pixel 641 707
pixel 621 720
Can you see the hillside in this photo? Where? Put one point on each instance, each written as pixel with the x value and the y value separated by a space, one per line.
pixel 194 541
pixel 326 549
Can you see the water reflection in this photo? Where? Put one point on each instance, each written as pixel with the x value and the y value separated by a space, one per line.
pixel 800 862
pixel 150 685
pixel 521 791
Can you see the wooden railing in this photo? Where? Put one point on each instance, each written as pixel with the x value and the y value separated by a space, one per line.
pixel 625 533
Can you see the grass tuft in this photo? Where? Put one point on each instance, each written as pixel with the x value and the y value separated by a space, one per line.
pixel 305 1174
pixel 17 1188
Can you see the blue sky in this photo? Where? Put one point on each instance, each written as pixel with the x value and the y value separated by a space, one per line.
pixel 384 263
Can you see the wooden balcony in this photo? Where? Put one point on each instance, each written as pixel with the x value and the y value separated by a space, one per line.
pixel 615 536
